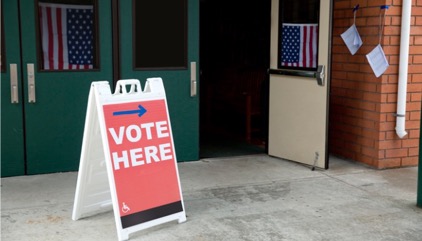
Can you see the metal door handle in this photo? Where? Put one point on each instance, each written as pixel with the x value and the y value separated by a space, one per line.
pixel 193 87
pixel 14 84
pixel 31 83
pixel 320 75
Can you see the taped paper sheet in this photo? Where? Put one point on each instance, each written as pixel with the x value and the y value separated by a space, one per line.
pixel 377 60
pixel 352 39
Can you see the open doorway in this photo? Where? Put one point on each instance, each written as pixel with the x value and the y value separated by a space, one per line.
pixel 234 58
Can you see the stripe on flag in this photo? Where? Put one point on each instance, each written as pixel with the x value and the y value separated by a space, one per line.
pixel 67 36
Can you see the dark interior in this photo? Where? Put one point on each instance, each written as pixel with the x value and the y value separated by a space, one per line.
pixel 234 59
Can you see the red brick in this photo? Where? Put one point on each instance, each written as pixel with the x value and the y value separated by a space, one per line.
pixel 392 98
pixel 381 154
pixel 409 161
pixel 410 143
pixel 389 88
pixel 338 75
pixel 362 106
pixel 393 79
pixel 391 135
pixel 414 133
pixel 360 22
pixel 417 10
pixel 413 106
pixel 396 20
pixel 342 5
pixel 370 133
pixel 415 97
pixel 397 2
pixel 387 126
pixel 416 78
pixel 418 39
pixel 391 117
pixel 415 115
pixel 414 151
pixel 393 59
pixel 414 49
pixel 392 30
pixel 415 68
pixel 417 59
pixel 389 163
pixel 383 117
pixel 413 124
pixel 369 12
pixel 396 10
pixel 414 87
pixel 376 3
pixel 368 142
pixel 374 97
pixel 371 161
pixel 396 153
pixel 388 108
pixel 382 135
pixel 390 144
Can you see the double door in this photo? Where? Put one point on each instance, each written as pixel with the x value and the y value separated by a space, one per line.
pixel 44 88
pixel 43 95
pixel 53 50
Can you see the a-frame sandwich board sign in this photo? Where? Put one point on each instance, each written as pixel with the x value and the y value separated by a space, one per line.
pixel 128 159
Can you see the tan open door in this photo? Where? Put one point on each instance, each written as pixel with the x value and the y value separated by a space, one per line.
pixel 298 112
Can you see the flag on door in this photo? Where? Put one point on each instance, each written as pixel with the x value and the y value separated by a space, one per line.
pixel 299 45
pixel 67 36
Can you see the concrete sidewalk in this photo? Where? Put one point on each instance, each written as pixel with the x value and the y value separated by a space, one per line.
pixel 242 198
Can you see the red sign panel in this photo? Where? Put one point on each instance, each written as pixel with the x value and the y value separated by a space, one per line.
pixel 143 160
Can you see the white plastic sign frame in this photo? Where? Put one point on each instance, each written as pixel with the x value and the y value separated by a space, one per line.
pixel 128 160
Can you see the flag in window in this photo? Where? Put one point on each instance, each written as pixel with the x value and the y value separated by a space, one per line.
pixel 67 36
pixel 299 45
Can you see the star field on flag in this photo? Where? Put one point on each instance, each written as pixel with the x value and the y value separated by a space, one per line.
pixel 67 36
pixel 299 45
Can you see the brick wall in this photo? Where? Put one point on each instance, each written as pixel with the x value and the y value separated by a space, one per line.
pixel 362 107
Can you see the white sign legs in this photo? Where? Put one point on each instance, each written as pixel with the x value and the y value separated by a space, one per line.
pixel 128 155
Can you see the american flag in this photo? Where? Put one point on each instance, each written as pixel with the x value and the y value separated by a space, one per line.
pixel 299 45
pixel 67 36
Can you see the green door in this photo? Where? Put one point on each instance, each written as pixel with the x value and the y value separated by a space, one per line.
pixel 161 39
pixel 42 133
pixel 12 144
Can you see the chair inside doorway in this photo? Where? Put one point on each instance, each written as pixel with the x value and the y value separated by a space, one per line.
pixel 234 119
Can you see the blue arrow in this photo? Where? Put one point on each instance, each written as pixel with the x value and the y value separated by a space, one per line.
pixel 140 111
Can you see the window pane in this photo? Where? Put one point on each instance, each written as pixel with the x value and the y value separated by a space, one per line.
pixel 67 33
pixel 298 34
pixel 160 31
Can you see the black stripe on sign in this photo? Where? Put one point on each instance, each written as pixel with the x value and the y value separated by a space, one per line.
pixel 151 214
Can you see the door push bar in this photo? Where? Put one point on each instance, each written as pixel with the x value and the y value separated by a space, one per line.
pixel 31 83
pixel 14 89
pixel 14 92
pixel 193 82
pixel 319 74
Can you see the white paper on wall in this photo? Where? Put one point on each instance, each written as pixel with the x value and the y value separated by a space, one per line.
pixel 377 60
pixel 352 39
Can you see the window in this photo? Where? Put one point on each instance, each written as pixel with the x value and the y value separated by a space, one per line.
pixel 67 35
pixel 160 34
pixel 298 34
